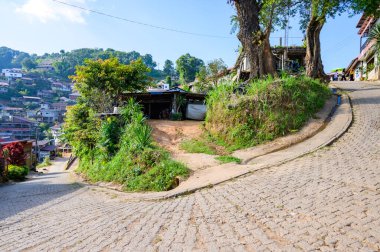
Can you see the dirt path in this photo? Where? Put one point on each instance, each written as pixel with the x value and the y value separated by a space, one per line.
pixel 169 134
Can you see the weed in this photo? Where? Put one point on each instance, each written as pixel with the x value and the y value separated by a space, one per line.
pixel 228 159
pixel 197 146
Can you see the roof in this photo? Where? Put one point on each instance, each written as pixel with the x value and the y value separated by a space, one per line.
pixel 4 84
pixel 352 64
pixel 49 148
pixel 31 97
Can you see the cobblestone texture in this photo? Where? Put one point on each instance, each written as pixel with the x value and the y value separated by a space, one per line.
pixel 328 201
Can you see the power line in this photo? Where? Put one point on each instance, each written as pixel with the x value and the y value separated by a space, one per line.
pixel 146 24
pixel 140 23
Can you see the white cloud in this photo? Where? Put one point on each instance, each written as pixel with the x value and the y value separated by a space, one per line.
pixel 48 10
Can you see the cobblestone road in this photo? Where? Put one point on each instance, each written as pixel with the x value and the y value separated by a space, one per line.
pixel 329 200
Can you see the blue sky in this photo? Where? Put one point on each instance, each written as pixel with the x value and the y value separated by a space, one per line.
pixel 39 26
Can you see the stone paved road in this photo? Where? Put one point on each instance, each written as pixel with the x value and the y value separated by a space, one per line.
pixel 329 200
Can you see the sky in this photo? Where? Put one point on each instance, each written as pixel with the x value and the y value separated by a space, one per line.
pixel 39 26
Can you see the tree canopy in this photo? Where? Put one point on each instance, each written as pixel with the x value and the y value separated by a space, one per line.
pixel 188 66
pixel 102 83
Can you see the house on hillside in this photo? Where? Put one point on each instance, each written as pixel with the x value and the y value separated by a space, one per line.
pixel 17 127
pixel 10 74
pixel 59 86
pixel 46 65
pixel 368 56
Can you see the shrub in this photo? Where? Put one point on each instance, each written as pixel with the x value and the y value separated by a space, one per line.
pixel 17 173
pixel 176 116
pixel 262 110
pixel 134 160
pixel 14 153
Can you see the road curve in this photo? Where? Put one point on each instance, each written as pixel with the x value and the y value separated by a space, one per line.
pixel 328 200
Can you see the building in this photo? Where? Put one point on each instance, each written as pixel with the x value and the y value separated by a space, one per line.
pixel 17 127
pixel 31 99
pixel 61 106
pixel 56 131
pixel 160 103
pixel 59 86
pixel 13 73
pixel 367 65
pixel 27 81
pixel 47 94
pixel 11 111
pixel 46 65
pixel 50 116
pixel 74 96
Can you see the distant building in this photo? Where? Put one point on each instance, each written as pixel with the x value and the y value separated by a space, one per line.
pixel 17 127
pixel 31 99
pixel 45 94
pixel 367 60
pixel 46 65
pixel 74 96
pixel 56 131
pixel 11 111
pixel 13 73
pixel 61 106
pixel 50 115
pixel 27 81
pixel 63 87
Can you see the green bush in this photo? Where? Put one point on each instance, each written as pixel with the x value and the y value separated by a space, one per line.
pixel 262 110
pixel 17 173
pixel 176 116
pixel 134 160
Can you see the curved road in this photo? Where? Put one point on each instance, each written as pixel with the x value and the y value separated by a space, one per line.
pixel 328 200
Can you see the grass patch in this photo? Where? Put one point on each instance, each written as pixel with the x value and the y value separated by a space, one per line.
pixel 228 159
pixel 45 163
pixel 197 146
pixel 265 110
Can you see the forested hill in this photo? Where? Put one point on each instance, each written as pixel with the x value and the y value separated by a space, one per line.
pixel 64 62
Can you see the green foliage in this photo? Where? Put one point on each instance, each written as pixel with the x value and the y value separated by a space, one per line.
pixel 103 82
pixel 265 109
pixel 176 116
pixel 168 68
pixel 17 173
pixel 45 163
pixel 197 146
pixel 228 159
pixel 187 67
pixel 127 154
pixel 375 35
pixel 81 129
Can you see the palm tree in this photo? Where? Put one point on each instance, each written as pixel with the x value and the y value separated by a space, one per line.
pixel 375 35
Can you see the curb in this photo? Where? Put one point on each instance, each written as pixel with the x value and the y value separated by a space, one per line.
pixel 157 196
pixel 343 130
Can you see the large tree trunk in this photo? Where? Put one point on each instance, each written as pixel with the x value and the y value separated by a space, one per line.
pixel 252 39
pixel 314 66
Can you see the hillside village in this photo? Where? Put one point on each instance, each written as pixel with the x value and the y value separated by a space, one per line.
pixel 32 108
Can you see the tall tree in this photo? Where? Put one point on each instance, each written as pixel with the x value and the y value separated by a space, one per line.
pixel 256 19
pixel 187 67
pixel 314 14
pixel 102 83
pixel 214 68
pixel 168 68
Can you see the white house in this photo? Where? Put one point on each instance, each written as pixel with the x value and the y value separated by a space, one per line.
pixel 56 131
pixel 12 73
